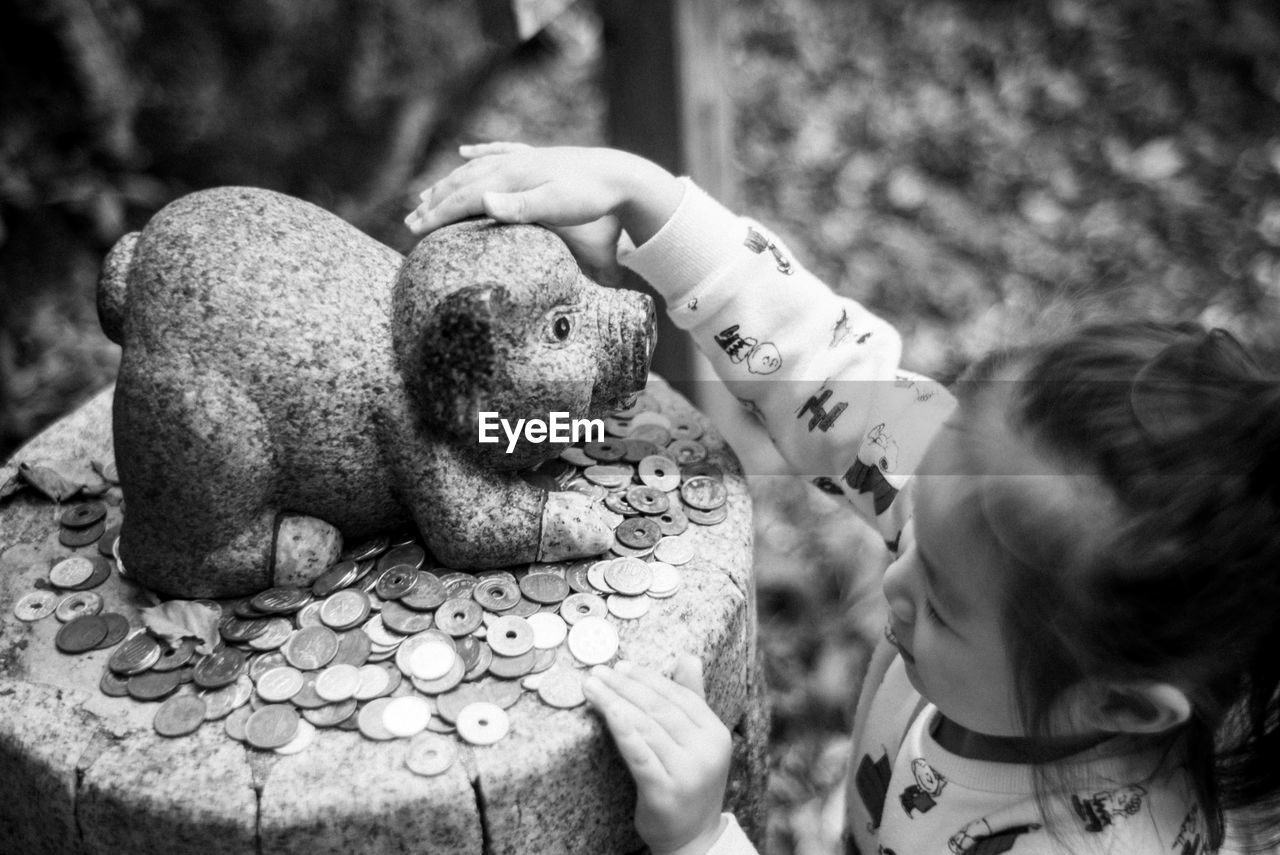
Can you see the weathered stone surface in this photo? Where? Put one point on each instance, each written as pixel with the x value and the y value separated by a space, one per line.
pixel 278 360
pixel 82 772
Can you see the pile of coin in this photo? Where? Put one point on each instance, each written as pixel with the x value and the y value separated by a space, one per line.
pixel 388 644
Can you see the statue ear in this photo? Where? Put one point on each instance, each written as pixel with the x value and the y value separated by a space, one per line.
pixel 456 358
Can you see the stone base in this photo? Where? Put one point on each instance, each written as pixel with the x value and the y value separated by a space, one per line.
pixel 81 772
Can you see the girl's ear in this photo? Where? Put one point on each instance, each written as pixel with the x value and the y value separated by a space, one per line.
pixel 1136 707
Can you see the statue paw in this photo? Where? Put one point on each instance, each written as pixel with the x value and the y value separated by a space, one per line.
pixel 571 528
pixel 305 548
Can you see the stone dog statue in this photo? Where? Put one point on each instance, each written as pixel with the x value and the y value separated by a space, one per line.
pixel 284 374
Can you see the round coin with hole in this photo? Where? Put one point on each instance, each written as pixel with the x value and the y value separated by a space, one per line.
pixel 593 641
pixel 83 515
pixel 459 616
pixel 78 604
pixel 35 605
pixel 77 537
pixel 174 656
pixel 605 451
pixel 396 581
pixel 578 606
pixel 430 754
pixel 510 636
pixel 647 500
pixel 659 472
pixel 687 451
pixel 483 723
pixel 496 593
pixel 703 493
pixel 638 533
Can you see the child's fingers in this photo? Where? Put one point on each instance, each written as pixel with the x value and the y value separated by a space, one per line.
pixel 640 742
pixel 481 149
pixel 669 716
pixel 684 690
pixel 526 206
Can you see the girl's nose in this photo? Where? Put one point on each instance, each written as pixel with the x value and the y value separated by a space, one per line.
pixel 897 590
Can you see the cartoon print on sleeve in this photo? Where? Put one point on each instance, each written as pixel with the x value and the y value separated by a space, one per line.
pixel 1104 808
pixel 840 331
pixel 977 838
pixel 821 418
pixel 1190 839
pixel 758 243
pixel 921 796
pixel 692 305
pixel 872 781
pixel 868 477
pixel 761 357
pixel 826 485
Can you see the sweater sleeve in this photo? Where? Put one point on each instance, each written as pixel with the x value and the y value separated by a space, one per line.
pixel 732 840
pixel 819 370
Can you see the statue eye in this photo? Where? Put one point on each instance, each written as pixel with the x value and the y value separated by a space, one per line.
pixel 561 328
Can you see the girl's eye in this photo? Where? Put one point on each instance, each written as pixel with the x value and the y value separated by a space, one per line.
pixel 561 328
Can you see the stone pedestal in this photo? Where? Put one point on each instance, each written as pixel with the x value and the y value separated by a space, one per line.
pixel 84 772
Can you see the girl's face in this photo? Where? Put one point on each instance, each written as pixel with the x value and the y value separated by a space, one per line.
pixel 945 590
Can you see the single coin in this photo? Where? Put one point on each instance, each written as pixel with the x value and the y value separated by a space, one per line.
pixel 483 723
pixel 512 667
pixel 245 609
pixel 577 606
pixel 674 550
pixel 373 680
pixel 70 572
pixel 496 593
pixel 549 630
pixel 338 683
pixel 180 715
pixel 354 648
pixel 400 619
pixel 107 543
pixel 611 476
pixel 576 576
pixel 279 684
pixel 656 434
pixel 135 655
pixel 685 428
pixel 617 426
pixel 274 636
pixel 238 630
pixel 77 537
pixel 459 584
pixel 659 472
pixel 370 720
pixel 83 515
pixel 406 716
pixel 524 608
pixel 337 577
pixel 562 688
pixel 430 754
pixel 235 722
pixel 593 641
pixel 605 451
pixel 450 703
pixel 687 451
pixel 309 615
pixel 263 663
pixel 379 633
pixel 331 715
pixel 715 516
pixel 504 693
pixel 78 604
pixel 153 685
pixel 345 609
pixel 431 661
pixel 666 580
pixel 617 502
pixel 427 593
pixel 468 648
pixel 638 533
pixel 596 576
pixel 81 634
pixel 439 725
pixel 672 521
pixel 703 493
pixel 707 468
pixel 279 601
pixel 35 605
pixel 101 573
pixel 440 685
pixel 458 617
pixel 647 500
pixel 311 647
pixel 174 657
pixel 484 658
pixel 302 739
pixel 219 668
pixel 396 581
pixel 627 607
pixel 271 726
pixel 113 685
pixel 408 554
pixel 220 703
pixel 544 588
pixel 628 576
pixel 510 636
pixel 368 549
pixel 582 485
pixel 544 658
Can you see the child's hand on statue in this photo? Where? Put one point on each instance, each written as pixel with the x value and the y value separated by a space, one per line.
pixel 674 745
pixel 585 195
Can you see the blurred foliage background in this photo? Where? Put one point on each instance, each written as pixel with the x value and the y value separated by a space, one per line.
pixel 977 172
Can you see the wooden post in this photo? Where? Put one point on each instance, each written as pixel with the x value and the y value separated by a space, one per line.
pixel 664 78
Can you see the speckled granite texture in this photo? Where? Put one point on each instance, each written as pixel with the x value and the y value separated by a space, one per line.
pixel 279 362
pixel 81 772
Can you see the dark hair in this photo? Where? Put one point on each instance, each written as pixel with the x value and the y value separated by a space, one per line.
pixel 1178 429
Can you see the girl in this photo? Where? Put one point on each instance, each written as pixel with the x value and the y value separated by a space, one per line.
pixel 1079 654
